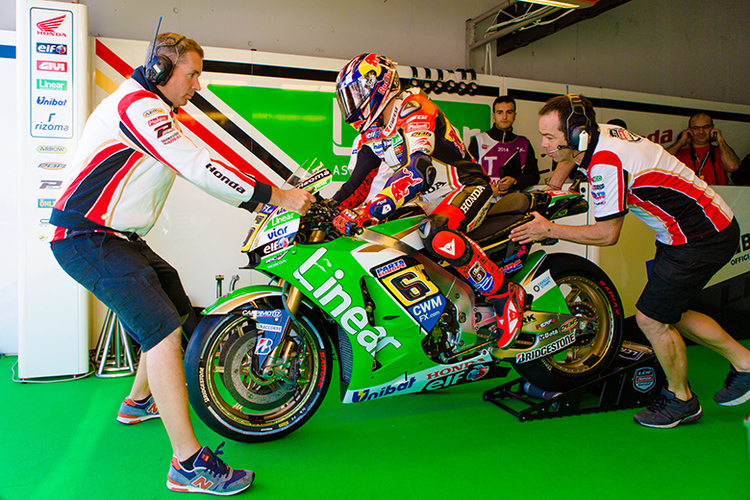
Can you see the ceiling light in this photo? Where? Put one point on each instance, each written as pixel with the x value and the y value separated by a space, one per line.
pixel 565 4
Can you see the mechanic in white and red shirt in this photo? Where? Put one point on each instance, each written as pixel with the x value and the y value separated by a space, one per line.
pixel 696 235
pixel 131 150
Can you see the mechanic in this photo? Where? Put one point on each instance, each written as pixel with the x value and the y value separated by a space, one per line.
pixel 427 158
pixel 696 235
pixel 130 152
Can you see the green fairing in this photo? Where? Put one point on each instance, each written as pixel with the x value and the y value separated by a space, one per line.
pixel 331 279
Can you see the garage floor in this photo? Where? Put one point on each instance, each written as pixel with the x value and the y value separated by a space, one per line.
pixel 61 441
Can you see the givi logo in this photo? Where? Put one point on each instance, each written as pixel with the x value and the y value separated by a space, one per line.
pixel 49 27
pixel 57 66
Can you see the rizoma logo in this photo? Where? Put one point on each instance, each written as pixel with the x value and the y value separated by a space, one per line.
pixel 49 27
pixel 52 48
pixel 56 66
pixel 42 84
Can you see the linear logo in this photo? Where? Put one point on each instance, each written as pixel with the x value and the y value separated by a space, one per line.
pixel 43 84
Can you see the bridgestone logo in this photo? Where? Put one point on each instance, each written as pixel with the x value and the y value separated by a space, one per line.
pixel 525 357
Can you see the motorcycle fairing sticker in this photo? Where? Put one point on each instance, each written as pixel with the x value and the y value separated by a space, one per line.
pixel 410 286
pixel 435 377
pixel 428 312
pixel 540 285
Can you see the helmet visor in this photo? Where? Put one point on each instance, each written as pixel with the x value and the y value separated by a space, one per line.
pixel 352 97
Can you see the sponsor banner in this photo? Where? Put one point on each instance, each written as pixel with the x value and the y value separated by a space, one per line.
pixel 51 54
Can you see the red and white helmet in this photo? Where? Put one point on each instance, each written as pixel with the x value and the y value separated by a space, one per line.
pixel 364 88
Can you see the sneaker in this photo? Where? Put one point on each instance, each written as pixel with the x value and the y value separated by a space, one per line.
pixel 209 475
pixel 668 411
pixel 509 311
pixel 134 413
pixel 736 388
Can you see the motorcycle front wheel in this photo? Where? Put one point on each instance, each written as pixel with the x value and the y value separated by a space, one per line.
pixel 593 299
pixel 243 401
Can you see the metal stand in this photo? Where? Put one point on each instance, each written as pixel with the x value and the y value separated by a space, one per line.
pixel 114 352
pixel 633 381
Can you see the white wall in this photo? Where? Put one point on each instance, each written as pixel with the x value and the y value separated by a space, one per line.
pixel 8 200
pixel 684 48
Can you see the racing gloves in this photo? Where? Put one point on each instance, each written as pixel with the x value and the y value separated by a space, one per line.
pixel 351 220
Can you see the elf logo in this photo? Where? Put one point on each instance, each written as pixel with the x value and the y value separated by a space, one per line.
pixel 52 48
pixel 57 66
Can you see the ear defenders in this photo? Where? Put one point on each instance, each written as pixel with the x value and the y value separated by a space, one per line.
pixel 577 125
pixel 160 67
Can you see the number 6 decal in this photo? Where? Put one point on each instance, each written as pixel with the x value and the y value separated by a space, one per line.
pixel 410 285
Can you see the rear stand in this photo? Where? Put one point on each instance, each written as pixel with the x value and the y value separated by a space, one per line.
pixel 633 381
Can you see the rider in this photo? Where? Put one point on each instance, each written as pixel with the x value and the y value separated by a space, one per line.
pixel 408 132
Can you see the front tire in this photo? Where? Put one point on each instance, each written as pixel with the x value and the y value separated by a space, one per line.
pixel 593 298
pixel 232 396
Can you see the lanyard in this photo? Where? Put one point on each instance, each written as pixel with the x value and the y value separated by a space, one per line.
pixel 694 157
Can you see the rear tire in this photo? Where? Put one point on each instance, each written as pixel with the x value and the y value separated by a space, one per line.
pixel 589 293
pixel 235 399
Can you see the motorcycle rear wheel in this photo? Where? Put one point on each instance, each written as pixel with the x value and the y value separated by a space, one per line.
pixel 235 399
pixel 593 298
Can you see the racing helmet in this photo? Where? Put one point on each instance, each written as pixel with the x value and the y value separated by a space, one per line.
pixel 364 87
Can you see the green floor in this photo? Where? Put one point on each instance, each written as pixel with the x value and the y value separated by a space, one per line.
pixel 61 441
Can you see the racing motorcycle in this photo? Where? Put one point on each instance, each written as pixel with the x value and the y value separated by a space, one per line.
pixel 260 362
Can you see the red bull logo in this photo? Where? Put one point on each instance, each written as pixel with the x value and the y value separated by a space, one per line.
pixel 370 63
pixel 401 186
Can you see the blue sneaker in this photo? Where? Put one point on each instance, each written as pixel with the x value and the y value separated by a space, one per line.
pixel 667 411
pixel 736 388
pixel 209 475
pixel 134 413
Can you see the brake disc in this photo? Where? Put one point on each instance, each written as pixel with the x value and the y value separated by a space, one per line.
pixel 247 387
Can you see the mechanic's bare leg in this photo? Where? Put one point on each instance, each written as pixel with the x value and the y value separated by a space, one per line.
pixel 140 389
pixel 166 378
pixel 705 331
pixel 670 351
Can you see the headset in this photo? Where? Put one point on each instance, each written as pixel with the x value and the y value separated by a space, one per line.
pixel 159 67
pixel 577 125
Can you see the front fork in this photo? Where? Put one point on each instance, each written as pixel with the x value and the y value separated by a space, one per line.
pixel 292 298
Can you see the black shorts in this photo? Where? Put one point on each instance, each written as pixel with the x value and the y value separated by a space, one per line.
pixel 680 272
pixel 128 277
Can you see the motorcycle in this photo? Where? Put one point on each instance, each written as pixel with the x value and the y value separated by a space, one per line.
pixel 260 362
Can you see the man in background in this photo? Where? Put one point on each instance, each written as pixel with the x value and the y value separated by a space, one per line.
pixel 702 148
pixel 508 159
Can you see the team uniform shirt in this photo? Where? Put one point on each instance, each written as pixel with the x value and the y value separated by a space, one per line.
pixel 629 172
pixel 706 162
pixel 416 125
pixel 503 153
pixel 131 150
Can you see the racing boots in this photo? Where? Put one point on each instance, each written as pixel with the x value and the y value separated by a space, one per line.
pixel 509 311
